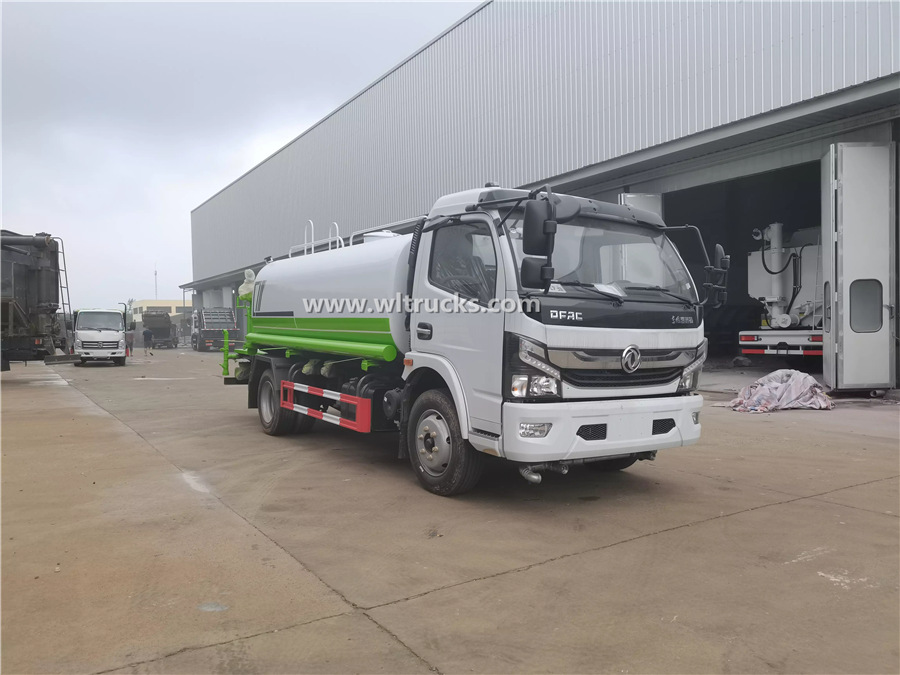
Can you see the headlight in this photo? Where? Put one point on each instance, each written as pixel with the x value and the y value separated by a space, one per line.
pixel 527 372
pixel 78 343
pixel 690 378
pixel 532 353
pixel 543 386
pixel 121 344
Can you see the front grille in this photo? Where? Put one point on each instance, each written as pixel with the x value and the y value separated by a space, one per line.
pixel 592 432
pixel 619 378
pixel 663 426
pixel 99 345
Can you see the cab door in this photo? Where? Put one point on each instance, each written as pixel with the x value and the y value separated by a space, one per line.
pixel 858 230
pixel 458 279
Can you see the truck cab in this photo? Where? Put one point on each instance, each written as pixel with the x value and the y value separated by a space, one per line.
pixel 100 336
pixel 579 335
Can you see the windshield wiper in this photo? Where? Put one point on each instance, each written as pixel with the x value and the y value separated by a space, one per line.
pixel 660 289
pixel 578 284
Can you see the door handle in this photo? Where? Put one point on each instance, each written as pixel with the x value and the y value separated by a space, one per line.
pixel 424 331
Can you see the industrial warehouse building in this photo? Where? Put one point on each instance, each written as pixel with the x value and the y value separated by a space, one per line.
pixel 734 113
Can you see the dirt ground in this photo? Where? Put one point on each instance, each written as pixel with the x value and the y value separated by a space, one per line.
pixel 149 526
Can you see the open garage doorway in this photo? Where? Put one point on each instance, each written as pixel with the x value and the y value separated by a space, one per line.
pixel 727 213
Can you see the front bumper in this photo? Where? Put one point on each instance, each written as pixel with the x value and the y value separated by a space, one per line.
pixel 99 353
pixel 629 427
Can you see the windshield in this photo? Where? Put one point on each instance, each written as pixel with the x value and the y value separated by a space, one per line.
pixel 628 261
pixel 99 321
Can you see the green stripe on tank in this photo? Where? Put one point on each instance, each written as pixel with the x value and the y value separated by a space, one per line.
pixel 341 323
pixel 362 330
pixel 369 337
pixel 384 352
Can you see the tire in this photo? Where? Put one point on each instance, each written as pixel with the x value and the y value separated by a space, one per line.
pixel 119 360
pixel 616 464
pixel 275 420
pixel 445 463
pixel 303 424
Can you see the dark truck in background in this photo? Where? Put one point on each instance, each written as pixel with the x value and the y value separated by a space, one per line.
pixel 29 297
pixel 207 326
pixel 165 333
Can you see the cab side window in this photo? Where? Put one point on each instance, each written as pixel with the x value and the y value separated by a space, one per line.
pixel 463 261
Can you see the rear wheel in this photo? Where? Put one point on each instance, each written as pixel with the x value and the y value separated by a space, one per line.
pixel 275 420
pixel 616 464
pixel 441 458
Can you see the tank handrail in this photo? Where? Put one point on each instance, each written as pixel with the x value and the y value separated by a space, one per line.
pixel 309 240
pixel 334 235
pixel 332 239
pixel 309 229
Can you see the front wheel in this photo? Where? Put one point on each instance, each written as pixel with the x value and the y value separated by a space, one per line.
pixel 119 360
pixel 441 458
pixel 275 420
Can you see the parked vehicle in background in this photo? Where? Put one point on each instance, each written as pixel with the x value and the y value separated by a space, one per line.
pixel 100 336
pixel 827 291
pixel 160 324
pixel 595 359
pixel 207 325
pixel 31 296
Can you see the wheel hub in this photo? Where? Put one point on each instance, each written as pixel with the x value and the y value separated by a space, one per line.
pixel 433 443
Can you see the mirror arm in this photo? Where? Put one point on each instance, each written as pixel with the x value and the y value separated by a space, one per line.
pixel 696 231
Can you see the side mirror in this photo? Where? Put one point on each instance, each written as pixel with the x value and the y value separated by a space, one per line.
pixel 717 278
pixel 722 261
pixel 536 273
pixel 538 227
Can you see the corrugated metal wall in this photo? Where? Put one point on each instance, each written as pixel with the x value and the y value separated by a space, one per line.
pixel 521 91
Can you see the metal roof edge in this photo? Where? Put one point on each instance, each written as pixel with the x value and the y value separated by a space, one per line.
pixel 886 85
pixel 350 100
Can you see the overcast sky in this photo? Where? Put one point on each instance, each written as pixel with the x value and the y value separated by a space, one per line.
pixel 120 118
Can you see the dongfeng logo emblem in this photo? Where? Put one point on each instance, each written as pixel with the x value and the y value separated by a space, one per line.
pixel 631 358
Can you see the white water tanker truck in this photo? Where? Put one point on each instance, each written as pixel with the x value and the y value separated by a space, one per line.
pixel 548 330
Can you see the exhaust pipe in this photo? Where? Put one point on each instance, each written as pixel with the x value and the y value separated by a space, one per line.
pixel 530 471
pixel 530 475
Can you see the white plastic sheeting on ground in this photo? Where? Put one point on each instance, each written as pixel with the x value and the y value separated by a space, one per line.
pixel 782 390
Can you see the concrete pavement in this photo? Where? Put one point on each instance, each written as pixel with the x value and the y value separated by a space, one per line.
pixel 188 541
